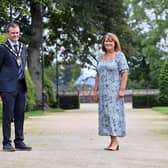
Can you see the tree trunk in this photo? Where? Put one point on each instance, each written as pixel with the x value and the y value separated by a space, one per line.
pixel 35 48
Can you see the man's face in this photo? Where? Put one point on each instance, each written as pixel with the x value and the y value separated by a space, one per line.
pixel 13 34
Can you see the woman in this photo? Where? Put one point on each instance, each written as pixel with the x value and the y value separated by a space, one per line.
pixel 110 85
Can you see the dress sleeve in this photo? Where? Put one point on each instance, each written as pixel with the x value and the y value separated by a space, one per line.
pixel 122 63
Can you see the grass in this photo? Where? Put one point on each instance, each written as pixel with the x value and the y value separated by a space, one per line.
pixel 36 113
pixel 40 112
pixel 163 110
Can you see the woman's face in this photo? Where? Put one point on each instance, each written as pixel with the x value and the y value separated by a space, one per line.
pixel 109 44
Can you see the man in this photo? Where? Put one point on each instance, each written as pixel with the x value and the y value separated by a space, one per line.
pixel 13 56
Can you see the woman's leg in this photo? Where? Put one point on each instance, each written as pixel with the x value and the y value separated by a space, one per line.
pixel 114 144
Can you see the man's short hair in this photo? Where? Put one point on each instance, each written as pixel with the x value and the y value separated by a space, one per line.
pixel 12 24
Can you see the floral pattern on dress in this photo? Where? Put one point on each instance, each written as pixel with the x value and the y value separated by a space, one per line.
pixel 111 108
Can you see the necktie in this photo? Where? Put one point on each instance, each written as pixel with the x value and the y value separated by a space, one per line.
pixel 16 48
pixel 20 73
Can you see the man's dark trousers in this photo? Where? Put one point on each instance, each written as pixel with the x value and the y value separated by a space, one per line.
pixel 13 106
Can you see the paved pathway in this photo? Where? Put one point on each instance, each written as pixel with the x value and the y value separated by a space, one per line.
pixel 70 140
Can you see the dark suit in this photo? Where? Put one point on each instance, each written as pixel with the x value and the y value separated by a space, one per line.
pixel 12 92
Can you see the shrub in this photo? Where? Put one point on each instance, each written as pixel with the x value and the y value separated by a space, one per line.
pixel 31 95
pixel 3 37
pixel 163 84
pixel 69 101
pixel 144 101
pixel 49 91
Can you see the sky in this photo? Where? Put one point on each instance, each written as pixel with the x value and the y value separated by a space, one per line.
pixel 87 77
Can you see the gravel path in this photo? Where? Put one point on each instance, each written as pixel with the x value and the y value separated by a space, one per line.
pixel 70 140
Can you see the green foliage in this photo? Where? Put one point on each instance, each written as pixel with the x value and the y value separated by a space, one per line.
pixel 3 13
pixel 139 73
pixel 3 37
pixel 78 25
pixel 75 24
pixel 30 96
pixel 148 20
pixel 49 91
pixel 163 84
pixel 67 75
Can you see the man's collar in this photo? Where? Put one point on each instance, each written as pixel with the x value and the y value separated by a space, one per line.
pixel 12 43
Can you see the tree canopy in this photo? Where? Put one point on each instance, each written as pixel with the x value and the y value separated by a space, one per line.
pixel 149 20
pixel 76 25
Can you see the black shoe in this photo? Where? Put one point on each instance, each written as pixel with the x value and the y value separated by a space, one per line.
pixel 23 147
pixel 8 148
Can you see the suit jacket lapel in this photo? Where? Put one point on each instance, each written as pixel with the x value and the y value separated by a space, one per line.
pixel 18 57
pixel 8 43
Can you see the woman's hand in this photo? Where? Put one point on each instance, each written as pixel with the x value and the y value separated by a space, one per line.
pixel 121 93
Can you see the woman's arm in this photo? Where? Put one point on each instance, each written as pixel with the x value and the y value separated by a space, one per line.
pixel 124 77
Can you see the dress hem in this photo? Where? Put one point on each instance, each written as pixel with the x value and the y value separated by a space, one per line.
pixel 112 135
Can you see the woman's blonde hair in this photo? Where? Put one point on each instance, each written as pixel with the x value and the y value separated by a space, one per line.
pixel 111 37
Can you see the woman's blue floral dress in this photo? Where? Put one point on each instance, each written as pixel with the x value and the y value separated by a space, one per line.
pixel 111 108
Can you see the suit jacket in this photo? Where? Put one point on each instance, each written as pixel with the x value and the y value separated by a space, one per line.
pixel 9 68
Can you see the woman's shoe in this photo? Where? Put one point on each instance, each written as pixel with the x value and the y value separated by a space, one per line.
pixel 117 148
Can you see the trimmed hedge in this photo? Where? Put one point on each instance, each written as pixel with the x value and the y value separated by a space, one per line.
pixel 144 101
pixel 69 101
pixel 163 84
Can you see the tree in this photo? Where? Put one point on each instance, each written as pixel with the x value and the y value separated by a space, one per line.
pixel 29 16
pixel 35 46
pixel 67 75
pixel 149 20
pixel 79 26
pixel 75 24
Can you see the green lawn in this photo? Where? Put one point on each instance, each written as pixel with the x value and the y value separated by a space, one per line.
pixel 40 112
pixel 35 113
pixel 161 109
